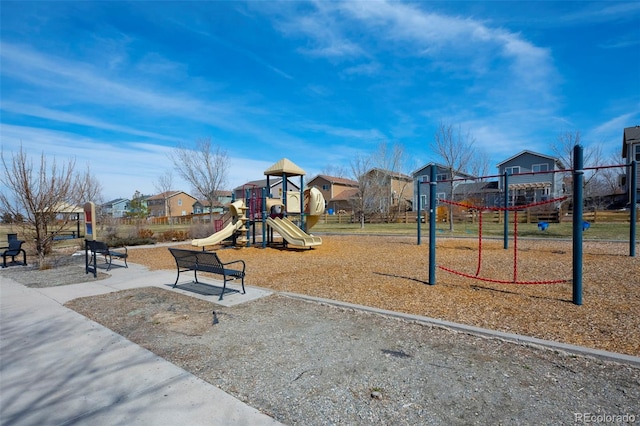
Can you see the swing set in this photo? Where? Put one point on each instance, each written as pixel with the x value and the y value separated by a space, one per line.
pixel 578 226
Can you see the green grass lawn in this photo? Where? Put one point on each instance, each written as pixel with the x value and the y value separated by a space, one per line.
pixel 597 231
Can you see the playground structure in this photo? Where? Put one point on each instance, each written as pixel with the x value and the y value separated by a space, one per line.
pixel 273 213
pixel 579 226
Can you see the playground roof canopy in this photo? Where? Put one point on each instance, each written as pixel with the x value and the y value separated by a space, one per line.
pixel 284 166
pixel 63 207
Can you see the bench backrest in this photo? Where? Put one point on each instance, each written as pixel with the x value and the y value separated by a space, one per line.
pixel 98 246
pixel 184 258
pixel 192 259
pixel 210 260
pixel 14 247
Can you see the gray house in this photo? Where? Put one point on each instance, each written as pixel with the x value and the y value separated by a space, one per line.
pixel 631 151
pixel 443 188
pixel 116 208
pixel 532 177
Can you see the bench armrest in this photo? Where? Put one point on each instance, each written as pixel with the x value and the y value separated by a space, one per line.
pixel 235 261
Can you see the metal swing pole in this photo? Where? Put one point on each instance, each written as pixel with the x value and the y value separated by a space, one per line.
pixel 578 180
pixel 418 217
pixel 432 225
pixel 633 199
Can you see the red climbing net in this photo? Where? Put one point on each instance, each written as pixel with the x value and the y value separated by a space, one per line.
pixel 514 209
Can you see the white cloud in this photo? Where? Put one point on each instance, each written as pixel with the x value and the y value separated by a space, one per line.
pixel 85 84
pixel 124 167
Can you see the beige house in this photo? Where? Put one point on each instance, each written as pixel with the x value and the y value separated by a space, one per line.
pixel 170 203
pixel 336 191
pixel 395 190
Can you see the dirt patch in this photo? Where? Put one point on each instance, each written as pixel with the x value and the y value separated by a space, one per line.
pixel 63 269
pixel 392 273
pixel 307 363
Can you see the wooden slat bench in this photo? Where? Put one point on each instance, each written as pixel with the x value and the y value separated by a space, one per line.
pixel 101 248
pixel 207 261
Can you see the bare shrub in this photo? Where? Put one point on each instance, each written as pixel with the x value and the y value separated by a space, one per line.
pixel 200 230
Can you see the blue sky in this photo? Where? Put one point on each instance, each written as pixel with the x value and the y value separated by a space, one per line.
pixel 120 84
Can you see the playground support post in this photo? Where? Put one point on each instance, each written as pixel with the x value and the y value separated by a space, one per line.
pixel 578 180
pixel 419 216
pixel 264 217
pixel 432 225
pixel 247 203
pixel 505 232
pixel 633 212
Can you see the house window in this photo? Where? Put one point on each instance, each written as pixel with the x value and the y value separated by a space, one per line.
pixel 423 201
pixel 540 168
pixel 441 196
pixel 637 155
pixel 325 187
pixel 514 170
pixel 179 201
pixel 441 177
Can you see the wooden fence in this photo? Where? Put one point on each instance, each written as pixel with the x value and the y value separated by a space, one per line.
pixel 527 216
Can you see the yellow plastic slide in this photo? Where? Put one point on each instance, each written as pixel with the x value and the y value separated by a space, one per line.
pixel 292 234
pixel 219 236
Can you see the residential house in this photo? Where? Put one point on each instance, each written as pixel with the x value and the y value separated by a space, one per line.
pixel 396 190
pixel 116 208
pixel 337 192
pixel 631 151
pixel 255 186
pixel 204 206
pixel 447 186
pixel 170 203
pixel 532 177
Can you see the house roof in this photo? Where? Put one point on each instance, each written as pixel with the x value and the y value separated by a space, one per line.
pixel 396 175
pixel 163 195
pixel 336 180
pixel 284 166
pixel 526 151
pixel 206 203
pixel 168 194
pixel 443 167
pixel 478 187
pixel 116 201
pixel 64 207
pixel 631 135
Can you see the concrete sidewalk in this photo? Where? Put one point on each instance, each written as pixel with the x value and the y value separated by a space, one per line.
pixel 59 368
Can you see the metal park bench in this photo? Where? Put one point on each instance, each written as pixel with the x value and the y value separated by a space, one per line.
pixel 207 261
pixel 101 248
pixel 13 250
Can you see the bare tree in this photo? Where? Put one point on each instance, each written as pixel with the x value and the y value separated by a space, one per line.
pixel 363 200
pixel 389 179
pixel 335 171
pixel 205 167
pixel 592 157
pixel 455 149
pixel 164 185
pixel 89 188
pixel 37 192
pixel 479 163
